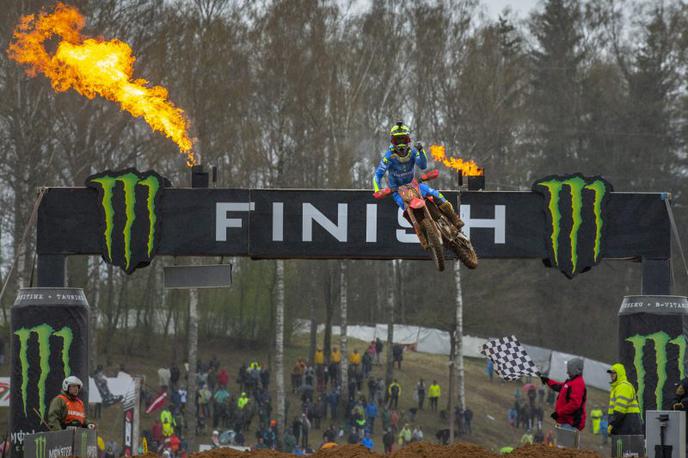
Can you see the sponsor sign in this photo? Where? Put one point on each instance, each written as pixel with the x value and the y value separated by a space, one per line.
pixel 56 444
pixel 576 209
pixel 293 223
pixel 652 346
pixel 128 443
pixel 49 331
pixel 660 344
pixel 129 203
pixel 46 339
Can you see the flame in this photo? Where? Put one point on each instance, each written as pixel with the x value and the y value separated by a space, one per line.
pixel 95 67
pixel 467 168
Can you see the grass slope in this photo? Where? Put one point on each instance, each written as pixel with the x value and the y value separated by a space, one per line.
pixel 489 401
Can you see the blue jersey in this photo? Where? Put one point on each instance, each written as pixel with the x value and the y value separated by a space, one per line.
pixel 399 172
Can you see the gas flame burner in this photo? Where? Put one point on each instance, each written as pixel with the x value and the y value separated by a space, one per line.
pixel 472 182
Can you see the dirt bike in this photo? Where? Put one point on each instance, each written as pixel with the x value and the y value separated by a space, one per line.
pixel 433 228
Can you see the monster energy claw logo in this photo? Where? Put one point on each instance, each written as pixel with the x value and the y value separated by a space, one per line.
pixel 129 202
pixel 661 341
pixel 575 206
pixel 41 445
pixel 43 333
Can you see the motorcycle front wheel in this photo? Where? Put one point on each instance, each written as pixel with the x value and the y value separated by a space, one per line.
pixel 434 243
pixel 465 252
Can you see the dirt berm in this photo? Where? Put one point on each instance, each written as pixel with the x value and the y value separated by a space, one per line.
pixel 422 449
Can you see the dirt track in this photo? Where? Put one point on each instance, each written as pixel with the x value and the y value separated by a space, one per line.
pixel 424 449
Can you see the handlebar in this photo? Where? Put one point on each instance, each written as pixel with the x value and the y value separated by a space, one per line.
pixel 431 175
pixel 382 194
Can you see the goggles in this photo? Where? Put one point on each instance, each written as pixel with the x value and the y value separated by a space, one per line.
pixel 401 140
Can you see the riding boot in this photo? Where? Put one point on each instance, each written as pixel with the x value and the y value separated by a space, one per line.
pixel 448 210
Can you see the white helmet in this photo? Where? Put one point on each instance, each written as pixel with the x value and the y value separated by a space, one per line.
pixel 71 380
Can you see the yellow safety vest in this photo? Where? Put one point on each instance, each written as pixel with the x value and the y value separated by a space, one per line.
pixel 623 399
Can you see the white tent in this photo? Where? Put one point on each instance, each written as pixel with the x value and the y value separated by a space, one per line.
pixel 121 385
pixel 435 341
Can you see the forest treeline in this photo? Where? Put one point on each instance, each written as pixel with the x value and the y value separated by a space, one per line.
pixel 301 93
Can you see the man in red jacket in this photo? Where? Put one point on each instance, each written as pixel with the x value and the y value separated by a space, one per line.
pixel 569 410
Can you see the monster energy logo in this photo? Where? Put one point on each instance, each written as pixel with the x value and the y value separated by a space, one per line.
pixel 41 445
pixel 660 340
pixel 574 243
pixel 123 190
pixel 43 334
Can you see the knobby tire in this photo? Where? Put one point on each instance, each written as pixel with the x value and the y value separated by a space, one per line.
pixel 434 243
pixel 465 252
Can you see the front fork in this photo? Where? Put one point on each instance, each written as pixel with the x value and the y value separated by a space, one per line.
pixel 416 225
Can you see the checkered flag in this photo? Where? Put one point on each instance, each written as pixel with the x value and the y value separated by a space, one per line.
pixel 510 359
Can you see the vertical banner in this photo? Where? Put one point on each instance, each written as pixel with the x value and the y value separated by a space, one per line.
pixel 49 341
pixel 130 411
pixel 652 346
pixel 128 439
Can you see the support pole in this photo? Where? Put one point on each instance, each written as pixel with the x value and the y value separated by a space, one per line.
pixel 389 372
pixel 656 277
pixel 343 340
pixel 279 343
pixel 193 364
pixel 136 433
pixel 457 368
pixel 52 271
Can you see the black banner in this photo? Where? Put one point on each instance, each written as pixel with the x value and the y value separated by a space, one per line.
pixel 652 346
pixel 343 224
pixel 56 444
pixel 49 341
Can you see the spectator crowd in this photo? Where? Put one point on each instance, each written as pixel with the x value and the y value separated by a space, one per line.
pixel 326 412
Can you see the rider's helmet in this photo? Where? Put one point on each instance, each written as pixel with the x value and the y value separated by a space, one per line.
pixel 400 137
pixel 71 380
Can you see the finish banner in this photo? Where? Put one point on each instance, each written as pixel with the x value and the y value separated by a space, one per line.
pixel 652 346
pixel 571 221
pixel 49 341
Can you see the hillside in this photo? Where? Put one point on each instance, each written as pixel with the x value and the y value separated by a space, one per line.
pixel 489 401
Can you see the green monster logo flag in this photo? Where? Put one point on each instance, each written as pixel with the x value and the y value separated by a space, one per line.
pixel 43 333
pixel 660 341
pixel 129 202
pixel 575 206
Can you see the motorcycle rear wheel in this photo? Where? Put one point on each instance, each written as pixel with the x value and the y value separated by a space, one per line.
pixel 434 243
pixel 465 252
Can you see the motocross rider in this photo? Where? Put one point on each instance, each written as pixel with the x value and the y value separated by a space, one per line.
pixel 400 161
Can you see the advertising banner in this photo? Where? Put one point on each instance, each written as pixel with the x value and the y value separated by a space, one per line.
pixel 652 346
pixel 49 341
pixel 55 444
pixel 298 223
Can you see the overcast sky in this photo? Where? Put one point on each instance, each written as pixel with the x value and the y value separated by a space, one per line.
pixel 520 7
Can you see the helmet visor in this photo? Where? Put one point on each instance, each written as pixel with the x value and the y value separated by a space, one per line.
pixel 401 140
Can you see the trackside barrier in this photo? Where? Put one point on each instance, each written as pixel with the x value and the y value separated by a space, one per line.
pixel 56 444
